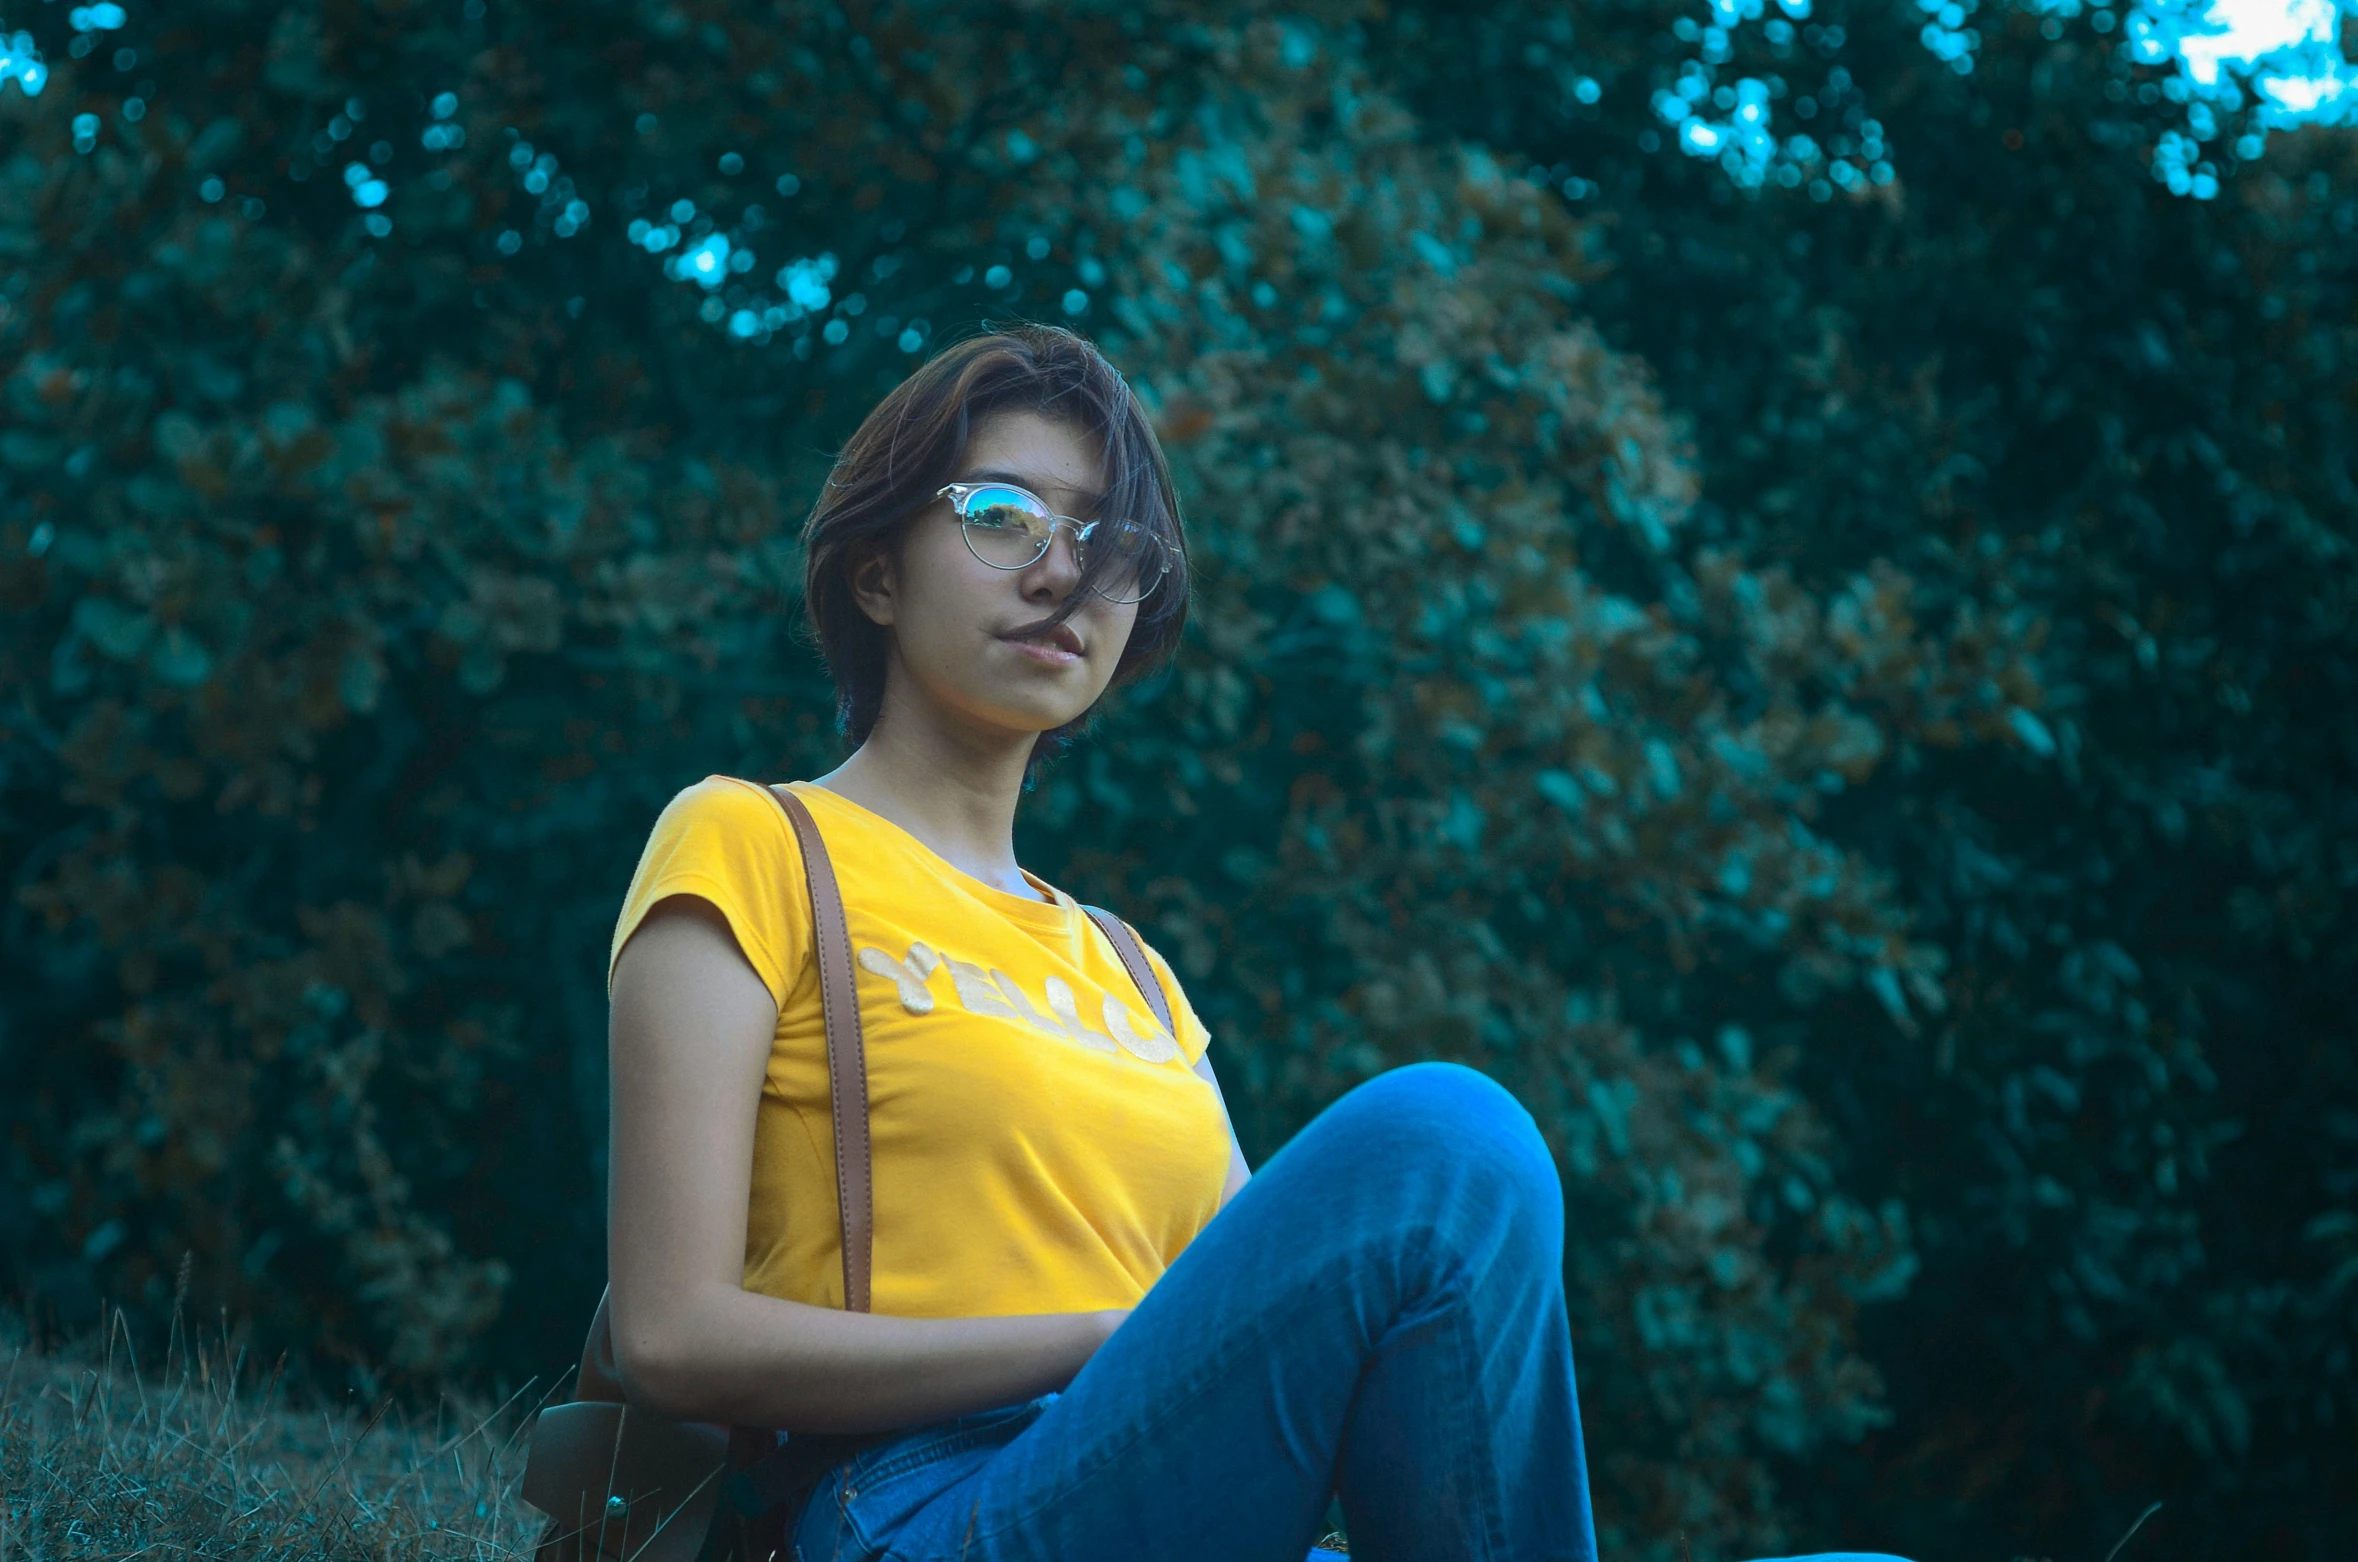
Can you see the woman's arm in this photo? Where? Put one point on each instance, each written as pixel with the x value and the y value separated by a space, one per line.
pixel 690 1040
pixel 1238 1172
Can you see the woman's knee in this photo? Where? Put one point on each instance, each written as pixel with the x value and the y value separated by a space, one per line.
pixel 1446 1116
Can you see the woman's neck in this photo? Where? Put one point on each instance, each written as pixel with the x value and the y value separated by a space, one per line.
pixel 955 792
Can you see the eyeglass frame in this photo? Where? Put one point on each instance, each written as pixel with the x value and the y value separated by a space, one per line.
pixel 958 493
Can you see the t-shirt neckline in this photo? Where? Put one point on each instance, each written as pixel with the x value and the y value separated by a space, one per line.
pixel 1053 915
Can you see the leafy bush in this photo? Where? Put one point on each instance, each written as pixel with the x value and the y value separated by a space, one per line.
pixel 1834 701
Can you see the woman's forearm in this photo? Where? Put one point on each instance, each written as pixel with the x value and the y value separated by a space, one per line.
pixel 737 1357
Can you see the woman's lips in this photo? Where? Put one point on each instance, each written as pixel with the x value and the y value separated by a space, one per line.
pixel 1056 646
pixel 1045 652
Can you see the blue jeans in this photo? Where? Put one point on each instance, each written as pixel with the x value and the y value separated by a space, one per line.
pixel 1377 1315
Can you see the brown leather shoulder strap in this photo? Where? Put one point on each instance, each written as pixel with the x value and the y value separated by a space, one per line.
pixel 847 1052
pixel 1133 956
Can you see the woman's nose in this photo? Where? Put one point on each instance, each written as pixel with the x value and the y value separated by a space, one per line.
pixel 1059 569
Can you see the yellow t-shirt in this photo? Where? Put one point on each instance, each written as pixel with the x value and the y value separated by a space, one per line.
pixel 1040 1143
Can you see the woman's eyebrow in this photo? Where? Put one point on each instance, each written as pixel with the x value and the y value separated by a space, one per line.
pixel 1021 480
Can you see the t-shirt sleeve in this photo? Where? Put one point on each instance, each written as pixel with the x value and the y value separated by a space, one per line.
pixel 723 841
pixel 1193 1038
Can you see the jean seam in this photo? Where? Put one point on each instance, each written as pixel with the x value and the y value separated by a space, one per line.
pixel 1170 1407
pixel 1492 1520
pixel 946 1446
pixel 918 1458
pixel 952 1438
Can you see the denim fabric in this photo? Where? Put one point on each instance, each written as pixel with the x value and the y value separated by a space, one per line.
pixel 1378 1314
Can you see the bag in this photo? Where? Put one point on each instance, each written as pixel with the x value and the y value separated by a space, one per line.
pixel 623 1485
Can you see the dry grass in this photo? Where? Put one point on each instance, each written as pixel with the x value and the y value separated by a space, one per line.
pixel 204 1456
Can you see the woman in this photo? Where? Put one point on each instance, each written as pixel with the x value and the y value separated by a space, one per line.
pixel 1101 1335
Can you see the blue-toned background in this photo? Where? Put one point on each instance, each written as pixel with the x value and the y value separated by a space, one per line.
pixel 1781 579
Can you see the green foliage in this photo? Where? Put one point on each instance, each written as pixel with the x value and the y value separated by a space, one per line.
pixel 2043 387
pixel 1507 811
pixel 1834 702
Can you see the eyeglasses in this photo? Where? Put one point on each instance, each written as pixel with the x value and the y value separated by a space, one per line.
pixel 1008 527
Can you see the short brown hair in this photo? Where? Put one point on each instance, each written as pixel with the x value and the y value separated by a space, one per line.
pixel 905 450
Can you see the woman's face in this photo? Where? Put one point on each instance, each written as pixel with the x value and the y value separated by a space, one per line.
pixel 952 617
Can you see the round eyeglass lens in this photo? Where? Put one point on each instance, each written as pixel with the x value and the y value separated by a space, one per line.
pixel 1005 528
pixel 1134 559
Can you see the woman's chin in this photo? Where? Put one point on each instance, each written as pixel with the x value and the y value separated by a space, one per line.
pixel 1022 716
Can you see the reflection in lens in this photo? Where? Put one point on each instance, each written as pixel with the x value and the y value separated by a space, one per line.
pixel 1134 559
pixel 1009 529
pixel 1004 528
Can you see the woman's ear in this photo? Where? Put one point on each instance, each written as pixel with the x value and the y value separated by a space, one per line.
pixel 875 585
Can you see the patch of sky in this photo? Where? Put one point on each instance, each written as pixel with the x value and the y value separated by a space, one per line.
pixel 713 260
pixel 2286 53
pixel 21 63
pixel 703 263
pixel 2278 63
pixel 2273 64
pixel 708 262
pixel 1947 36
pixel 367 189
pixel 441 135
pixel 1733 123
pixel 561 208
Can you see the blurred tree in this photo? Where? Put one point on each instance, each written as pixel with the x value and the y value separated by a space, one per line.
pixel 2033 377
pixel 1493 766
pixel 1788 683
